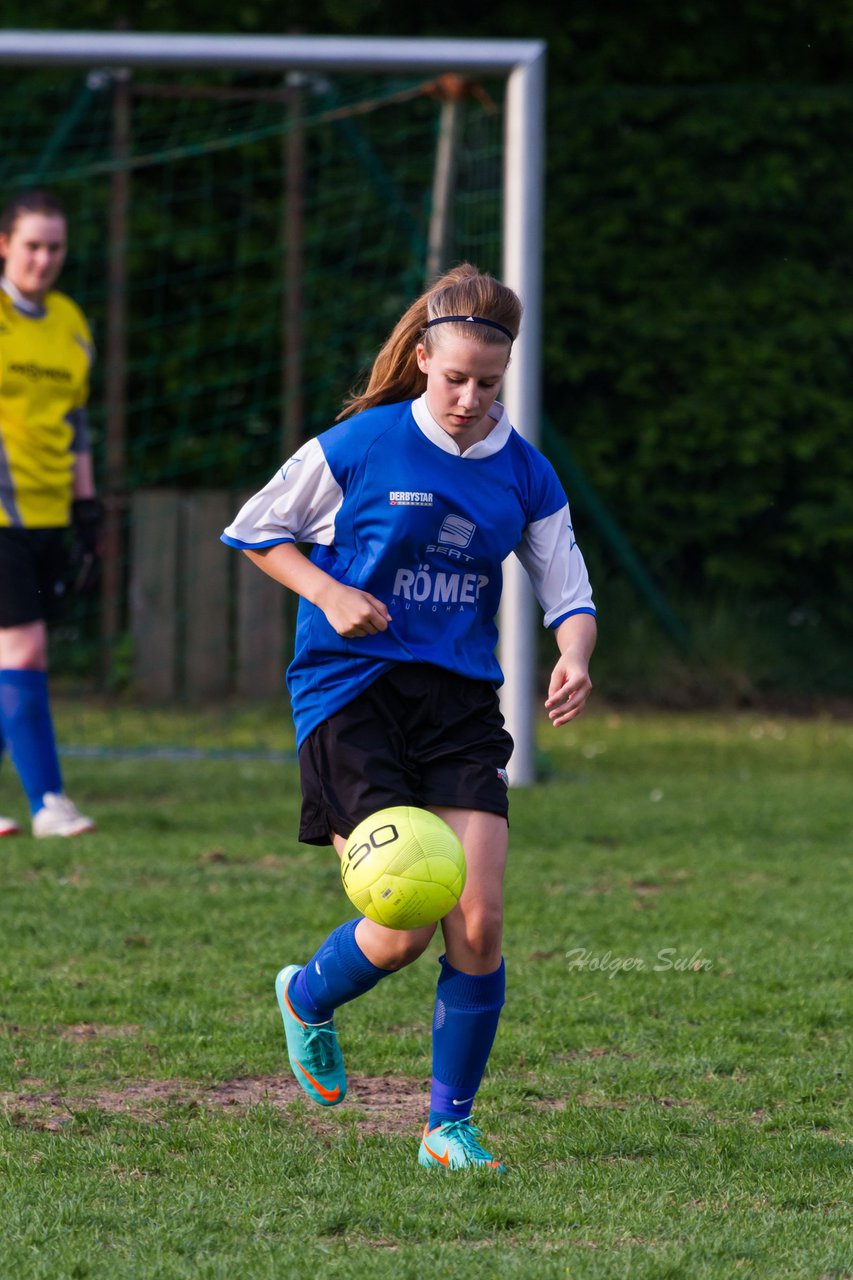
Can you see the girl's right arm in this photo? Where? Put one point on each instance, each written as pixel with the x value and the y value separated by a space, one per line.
pixel 350 611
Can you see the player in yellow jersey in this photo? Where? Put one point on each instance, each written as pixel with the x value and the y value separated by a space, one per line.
pixel 46 487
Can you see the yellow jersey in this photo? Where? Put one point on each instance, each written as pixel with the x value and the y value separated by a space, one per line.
pixel 45 359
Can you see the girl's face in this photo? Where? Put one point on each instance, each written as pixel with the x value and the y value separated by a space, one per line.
pixel 463 379
pixel 34 251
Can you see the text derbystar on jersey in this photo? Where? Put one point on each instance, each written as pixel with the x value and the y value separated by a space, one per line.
pixel 405 498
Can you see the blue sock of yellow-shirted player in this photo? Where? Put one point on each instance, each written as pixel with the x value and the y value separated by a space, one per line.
pixel 27 727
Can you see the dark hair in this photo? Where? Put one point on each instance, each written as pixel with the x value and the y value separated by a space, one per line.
pixel 33 201
pixel 463 291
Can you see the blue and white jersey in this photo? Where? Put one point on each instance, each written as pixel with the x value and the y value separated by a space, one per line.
pixel 392 507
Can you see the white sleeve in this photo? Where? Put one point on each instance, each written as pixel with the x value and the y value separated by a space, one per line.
pixel 299 504
pixel 556 568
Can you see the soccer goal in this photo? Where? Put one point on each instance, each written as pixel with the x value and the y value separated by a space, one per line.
pixel 249 215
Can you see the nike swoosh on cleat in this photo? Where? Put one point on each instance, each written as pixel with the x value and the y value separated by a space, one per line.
pixel 445 1159
pixel 330 1094
pixel 291 1009
pixel 290 1006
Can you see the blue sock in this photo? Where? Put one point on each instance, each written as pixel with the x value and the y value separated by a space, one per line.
pixel 27 727
pixel 467 1009
pixel 337 972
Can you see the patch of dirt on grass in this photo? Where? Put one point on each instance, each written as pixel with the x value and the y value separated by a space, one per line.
pixel 379 1104
pixel 96 1030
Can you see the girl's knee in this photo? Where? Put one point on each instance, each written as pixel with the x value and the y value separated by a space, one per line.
pixel 478 934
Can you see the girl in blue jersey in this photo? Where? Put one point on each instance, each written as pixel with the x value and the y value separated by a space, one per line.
pixel 46 483
pixel 412 502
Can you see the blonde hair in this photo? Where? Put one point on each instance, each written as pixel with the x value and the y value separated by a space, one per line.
pixel 464 291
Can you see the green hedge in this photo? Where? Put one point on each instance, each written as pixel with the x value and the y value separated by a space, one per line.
pixel 698 330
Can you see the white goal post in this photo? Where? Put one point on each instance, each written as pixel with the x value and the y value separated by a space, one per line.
pixel 522 64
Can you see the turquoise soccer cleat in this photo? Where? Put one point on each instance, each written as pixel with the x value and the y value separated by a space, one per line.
pixel 454 1145
pixel 313 1049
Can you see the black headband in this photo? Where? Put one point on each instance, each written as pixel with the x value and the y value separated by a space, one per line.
pixel 493 324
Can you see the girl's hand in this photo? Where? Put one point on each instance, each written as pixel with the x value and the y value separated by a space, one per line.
pixel 568 690
pixel 350 611
pixel 354 613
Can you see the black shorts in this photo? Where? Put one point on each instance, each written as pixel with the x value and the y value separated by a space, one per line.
pixel 418 735
pixel 33 572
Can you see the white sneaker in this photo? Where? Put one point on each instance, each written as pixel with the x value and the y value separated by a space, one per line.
pixel 9 827
pixel 60 817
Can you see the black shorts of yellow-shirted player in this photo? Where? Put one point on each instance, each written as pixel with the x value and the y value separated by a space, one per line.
pixel 46 488
pixel 412 502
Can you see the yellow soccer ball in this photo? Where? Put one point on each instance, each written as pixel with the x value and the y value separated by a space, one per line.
pixel 403 867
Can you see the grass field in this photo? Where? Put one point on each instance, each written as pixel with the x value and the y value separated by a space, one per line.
pixel 669 1085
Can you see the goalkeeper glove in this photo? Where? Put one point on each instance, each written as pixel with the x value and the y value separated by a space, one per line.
pixel 87 517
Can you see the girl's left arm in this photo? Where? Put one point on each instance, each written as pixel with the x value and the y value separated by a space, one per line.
pixel 570 685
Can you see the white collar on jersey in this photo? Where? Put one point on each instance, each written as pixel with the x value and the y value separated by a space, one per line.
pixel 493 442
pixel 20 303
